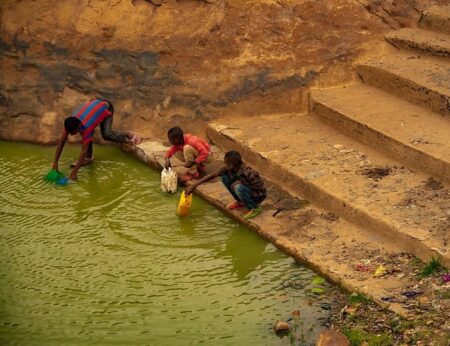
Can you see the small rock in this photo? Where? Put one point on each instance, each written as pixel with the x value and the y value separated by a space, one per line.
pixel 338 146
pixel 295 313
pixel 424 300
pixel 350 311
pixel 166 102
pixel 281 326
pixel 325 306
pixel 332 338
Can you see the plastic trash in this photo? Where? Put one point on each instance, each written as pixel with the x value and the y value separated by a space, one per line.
pixel 411 294
pixel 184 205
pixel 389 299
pixel 446 278
pixel 169 180
pixel 361 267
pixel 381 270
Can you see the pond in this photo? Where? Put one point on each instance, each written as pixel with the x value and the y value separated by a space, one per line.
pixel 106 260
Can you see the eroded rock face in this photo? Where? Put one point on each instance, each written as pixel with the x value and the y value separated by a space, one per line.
pixel 165 62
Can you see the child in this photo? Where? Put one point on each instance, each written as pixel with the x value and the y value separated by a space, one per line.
pixel 190 149
pixel 244 184
pixel 84 121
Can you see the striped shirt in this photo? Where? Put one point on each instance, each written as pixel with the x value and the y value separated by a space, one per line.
pixel 91 115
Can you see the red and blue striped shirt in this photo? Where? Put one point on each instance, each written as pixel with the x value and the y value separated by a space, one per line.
pixel 91 115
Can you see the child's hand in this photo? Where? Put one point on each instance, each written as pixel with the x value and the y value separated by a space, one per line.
pixel 189 164
pixel 135 139
pixel 167 164
pixel 189 190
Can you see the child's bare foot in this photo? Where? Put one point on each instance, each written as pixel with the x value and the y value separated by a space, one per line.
pixel 87 161
pixel 188 177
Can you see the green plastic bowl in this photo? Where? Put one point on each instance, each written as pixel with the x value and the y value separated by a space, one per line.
pixel 53 176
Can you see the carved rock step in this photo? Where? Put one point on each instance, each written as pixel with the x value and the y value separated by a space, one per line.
pixel 418 79
pixel 414 135
pixel 338 173
pixel 423 41
pixel 436 18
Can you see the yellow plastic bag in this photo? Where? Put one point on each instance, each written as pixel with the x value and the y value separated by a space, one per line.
pixel 184 205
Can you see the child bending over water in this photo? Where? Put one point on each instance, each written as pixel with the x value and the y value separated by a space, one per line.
pixel 84 120
pixel 244 184
pixel 195 152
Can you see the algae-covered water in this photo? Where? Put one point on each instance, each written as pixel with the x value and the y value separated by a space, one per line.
pixel 106 261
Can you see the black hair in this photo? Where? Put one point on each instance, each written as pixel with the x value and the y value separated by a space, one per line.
pixel 175 132
pixel 72 124
pixel 233 157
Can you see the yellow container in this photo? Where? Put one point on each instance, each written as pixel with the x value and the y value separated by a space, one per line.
pixel 184 205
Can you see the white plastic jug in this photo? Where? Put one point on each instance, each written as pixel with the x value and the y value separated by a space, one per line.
pixel 169 180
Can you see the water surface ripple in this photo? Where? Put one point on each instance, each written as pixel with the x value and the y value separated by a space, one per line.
pixel 107 261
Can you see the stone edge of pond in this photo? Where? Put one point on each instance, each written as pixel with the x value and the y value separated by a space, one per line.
pixel 152 153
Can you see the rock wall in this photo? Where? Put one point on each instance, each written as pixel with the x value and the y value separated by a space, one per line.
pixel 184 62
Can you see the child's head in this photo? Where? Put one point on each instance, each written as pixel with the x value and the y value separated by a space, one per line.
pixel 233 161
pixel 72 125
pixel 175 136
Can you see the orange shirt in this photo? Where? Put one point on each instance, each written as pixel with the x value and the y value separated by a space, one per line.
pixel 198 144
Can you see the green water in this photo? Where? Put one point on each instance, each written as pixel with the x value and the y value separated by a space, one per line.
pixel 106 261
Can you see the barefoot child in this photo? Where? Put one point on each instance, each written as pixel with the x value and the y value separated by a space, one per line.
pixel 244 184
pixel 195 152
pixel 84 121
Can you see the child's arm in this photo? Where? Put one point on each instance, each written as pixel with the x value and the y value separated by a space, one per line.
pixel 203 180
pixel 173 149
pixel 59 148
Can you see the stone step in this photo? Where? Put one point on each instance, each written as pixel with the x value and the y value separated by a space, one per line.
pixel 436 18
pixel 423 41
pixel 418 79
pixel 411 134
pixel 339 174
pixel 330 245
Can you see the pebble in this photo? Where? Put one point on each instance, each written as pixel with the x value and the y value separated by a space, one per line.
pixel 281 326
